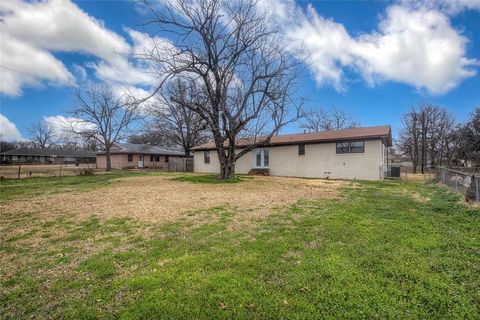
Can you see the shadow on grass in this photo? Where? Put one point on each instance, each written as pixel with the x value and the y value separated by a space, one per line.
pixel 210 179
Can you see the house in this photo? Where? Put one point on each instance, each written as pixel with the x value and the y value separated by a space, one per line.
pixel 399 160
pixel 131 155
pixel 358 153
pixel 47 156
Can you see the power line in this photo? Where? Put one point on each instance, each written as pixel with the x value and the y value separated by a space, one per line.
pixel 14 70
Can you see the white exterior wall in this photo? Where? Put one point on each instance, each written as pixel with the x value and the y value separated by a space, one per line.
pixel 320 161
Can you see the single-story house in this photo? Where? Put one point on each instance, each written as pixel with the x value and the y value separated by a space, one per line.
pixel 358 153
pixel 132 155
pixel 47 156
pixel 399 160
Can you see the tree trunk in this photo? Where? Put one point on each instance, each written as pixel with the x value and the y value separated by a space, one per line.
pixel 109 163
pixel 227 164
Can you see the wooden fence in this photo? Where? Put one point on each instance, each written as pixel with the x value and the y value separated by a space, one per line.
pixel 180 165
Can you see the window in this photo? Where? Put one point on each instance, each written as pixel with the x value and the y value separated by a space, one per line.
pixel 301 149
pixel 166 158
pixel 206 157
pixel 351 146
pixel 266 158
pixel 357 146
pixel 157 158
pixel 342 147
pixel 130 157
pixel 151 157
pixel 259 158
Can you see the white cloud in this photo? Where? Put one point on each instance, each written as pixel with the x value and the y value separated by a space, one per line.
pixel 8 129
pixel 60 25
pixel 414 43
pixel 326 44
pixel 416 46
pixel 62 127
pixel 450 7
pixel 24 64
pixel 33 31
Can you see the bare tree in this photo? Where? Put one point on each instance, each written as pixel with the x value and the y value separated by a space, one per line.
pixel 6 145
pixel 427 136
pixel 103 116
pixel 442 125
pixel 244 77
pixel 468 147
pixel 150 135
pixel 43 135
pixel 173 120
pixel 334 119
pixel 409 141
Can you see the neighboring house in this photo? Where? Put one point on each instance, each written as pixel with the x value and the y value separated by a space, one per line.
pixel 399 160
pixel 131 155
pixel 358 153
pixel 47 156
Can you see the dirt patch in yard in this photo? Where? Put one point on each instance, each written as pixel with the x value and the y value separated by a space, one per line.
pixel 161 199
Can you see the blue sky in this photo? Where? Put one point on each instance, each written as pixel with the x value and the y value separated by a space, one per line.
pixel 357 51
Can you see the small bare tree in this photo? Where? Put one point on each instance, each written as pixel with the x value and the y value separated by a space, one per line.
pixel 176 122
pixel 103 116
pixel 245 79
pixel 334 119
pixel 43 135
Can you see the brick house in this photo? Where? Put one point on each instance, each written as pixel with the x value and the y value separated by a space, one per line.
pixel 130 155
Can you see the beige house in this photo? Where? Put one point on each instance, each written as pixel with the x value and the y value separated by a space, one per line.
pixel 130 155
pixel 359 153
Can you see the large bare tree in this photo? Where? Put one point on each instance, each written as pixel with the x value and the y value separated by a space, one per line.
pixel 427 136
pixel 318 120
pixel 103 116
pixel 173 120
pixel 42 135
pixel 244 78
pixel 468 147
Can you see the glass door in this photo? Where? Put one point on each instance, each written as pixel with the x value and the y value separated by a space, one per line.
pixel 262 158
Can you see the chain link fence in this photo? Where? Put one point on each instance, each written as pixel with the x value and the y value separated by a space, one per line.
pixel 464 183
pixel 22 171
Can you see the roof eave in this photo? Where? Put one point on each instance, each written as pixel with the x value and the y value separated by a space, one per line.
pixel 287 143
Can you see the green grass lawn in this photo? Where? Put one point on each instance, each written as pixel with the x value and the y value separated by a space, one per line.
pixel 383 250
pixel 27 188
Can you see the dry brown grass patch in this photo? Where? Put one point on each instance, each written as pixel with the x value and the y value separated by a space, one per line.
pixel 161 199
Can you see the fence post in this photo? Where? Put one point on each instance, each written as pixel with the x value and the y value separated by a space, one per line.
pixel 18 172
pixel 477 188
pixel 456 181
pixel 60 170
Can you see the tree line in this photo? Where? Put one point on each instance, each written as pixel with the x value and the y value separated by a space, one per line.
pixel 430 137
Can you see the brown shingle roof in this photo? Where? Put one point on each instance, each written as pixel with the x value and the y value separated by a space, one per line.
pixel 327 136
pixel 144 149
